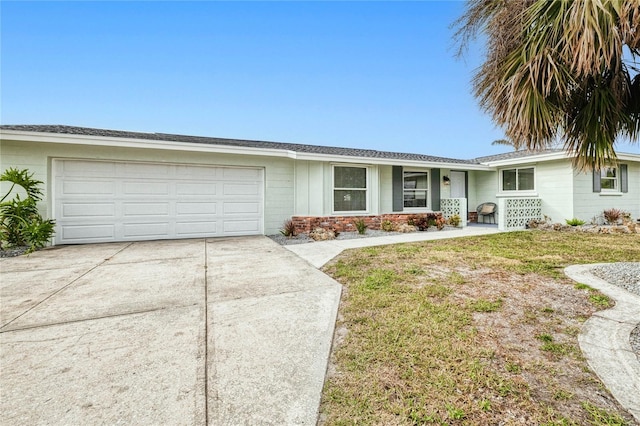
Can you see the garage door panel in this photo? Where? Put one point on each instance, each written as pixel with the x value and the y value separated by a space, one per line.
pixel 242 208
pixel 99 201
pixel 196 188
pixel 241 227
pixel 89 233
pixel 137 230
pixel 193 228
pixel 142 170
pixel 195 208
pixel 87 169
pixel 70 210
pixel 89 187
pixel 146 188
pixel 146 209
pixel 231 189
pixel 199 172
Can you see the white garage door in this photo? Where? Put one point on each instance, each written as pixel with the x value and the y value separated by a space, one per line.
pixel 100 201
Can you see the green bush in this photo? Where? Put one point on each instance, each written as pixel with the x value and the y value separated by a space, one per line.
pixel 288 228
pixel 20 222
pixel 575 222
pixel 361 226
pixel 387 226
pixel 455 220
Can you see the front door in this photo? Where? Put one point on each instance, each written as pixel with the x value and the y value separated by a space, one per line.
pixel 458 185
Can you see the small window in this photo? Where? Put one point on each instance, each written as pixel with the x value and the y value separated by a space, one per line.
pixel 609 179
pixel 416 185
pixel 518 179
pixel 349 189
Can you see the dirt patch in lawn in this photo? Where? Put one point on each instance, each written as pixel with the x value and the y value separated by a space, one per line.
pixel 469 331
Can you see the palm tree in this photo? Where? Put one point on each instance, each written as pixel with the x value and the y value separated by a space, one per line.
pixel 508 142
pixel 559 69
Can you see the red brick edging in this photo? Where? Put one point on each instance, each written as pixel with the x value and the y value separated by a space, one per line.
pixel 306 224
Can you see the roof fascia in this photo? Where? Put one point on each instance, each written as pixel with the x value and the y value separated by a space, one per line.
pixel 60 138
pixel 624 156
pixel 527 159
pixel 139 143
pixel 390 161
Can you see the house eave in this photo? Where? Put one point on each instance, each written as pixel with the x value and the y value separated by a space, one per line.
pixel 72 139
pixel 561 155
pixel 527 159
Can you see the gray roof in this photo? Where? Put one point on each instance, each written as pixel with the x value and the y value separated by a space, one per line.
pixel 514 155
pixel 311 149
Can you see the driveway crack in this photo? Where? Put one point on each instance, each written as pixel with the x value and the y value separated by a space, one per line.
pixel 65 286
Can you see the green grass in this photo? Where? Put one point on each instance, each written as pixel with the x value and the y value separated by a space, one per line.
pixel 420 346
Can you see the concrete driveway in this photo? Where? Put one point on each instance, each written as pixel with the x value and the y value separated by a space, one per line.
pixel 217 331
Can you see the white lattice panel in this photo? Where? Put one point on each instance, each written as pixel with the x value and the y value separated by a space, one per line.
pixel 454 206
pixel 518 212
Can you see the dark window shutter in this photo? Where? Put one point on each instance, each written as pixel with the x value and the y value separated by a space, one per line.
pixel 624 178
pixel 435 189
pixel 397 189
pixel 596 181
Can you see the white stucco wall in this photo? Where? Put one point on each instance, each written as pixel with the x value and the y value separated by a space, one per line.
pixel 484 189
pixel 386 189
pixel 554 185
pixel 37 157
pixel 588 204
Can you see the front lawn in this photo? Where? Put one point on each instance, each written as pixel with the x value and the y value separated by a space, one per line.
pixel 477 331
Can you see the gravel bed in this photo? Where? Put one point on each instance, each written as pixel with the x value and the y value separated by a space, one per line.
pixel 622 274
pixel 13 251
pixel 304 238
pixel 627 276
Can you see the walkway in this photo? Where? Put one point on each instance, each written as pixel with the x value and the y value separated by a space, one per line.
pixel 321 252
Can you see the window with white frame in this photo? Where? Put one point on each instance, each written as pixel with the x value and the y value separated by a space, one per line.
pixel 609 179
pixel 416 189
pixel 349 189
pixel 518 179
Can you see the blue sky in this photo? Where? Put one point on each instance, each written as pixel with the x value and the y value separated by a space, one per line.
pixel 378 75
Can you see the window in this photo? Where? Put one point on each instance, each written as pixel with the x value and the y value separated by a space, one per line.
pixel 518 179
pixel 608 179
pixel 415 186
pixel 349 189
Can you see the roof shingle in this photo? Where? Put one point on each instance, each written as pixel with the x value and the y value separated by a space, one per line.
pixel 302 148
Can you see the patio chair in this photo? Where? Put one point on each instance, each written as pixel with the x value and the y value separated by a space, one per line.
pixel 487 209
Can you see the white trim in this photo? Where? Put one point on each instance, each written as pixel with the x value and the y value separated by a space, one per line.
pixel 427 208
pixel 367 190
pixel 517 192
pixel 56 164
pixel 562 155
pixel 60 138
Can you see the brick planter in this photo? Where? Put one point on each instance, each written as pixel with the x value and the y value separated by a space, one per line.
pixel 305 224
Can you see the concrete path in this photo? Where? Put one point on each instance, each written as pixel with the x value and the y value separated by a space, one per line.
pixel 604 339
pixel 321 252
pixel 223 331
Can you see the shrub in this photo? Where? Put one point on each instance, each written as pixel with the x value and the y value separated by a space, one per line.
pixel 361 226
pixel 405 227
pixel 424 221
pixel 612 216
pixel 455 220
pixel 20 222
pixel 575 222
pixel 288 228
pixel 387 226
